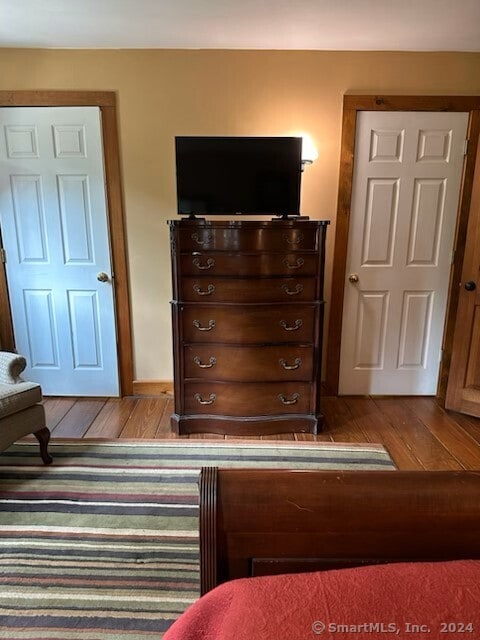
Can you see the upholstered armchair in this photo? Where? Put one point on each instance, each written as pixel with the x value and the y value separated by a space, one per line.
pixel 20 410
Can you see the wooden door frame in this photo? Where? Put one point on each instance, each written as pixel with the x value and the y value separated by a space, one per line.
pixel 352 104
pixel 106 101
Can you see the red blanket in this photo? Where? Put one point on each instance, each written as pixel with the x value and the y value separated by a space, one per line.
pixel 410 601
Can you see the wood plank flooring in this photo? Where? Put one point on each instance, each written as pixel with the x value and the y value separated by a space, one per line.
pixel 417 431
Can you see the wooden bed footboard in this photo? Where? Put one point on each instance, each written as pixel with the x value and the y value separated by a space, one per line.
pixel 263 522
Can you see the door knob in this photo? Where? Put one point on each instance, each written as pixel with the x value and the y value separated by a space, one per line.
pixel 470 285
pixel 353 277
pixel 102 276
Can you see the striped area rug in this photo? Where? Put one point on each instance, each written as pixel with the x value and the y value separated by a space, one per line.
pixel 103 544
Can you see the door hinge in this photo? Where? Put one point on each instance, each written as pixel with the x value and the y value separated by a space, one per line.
pixel 453 256
pixel 465 147
pixel 3 255
pixel 440 359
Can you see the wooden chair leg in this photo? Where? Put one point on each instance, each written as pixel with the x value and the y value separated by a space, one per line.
pixel 43 436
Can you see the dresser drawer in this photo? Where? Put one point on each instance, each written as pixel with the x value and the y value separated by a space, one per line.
pixel 238 325
pixel 247 399
pixel 301 238
pixel 248 264
pixel 209 289
pixel 247 364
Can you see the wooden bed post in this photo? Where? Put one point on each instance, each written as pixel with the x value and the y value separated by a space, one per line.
pixel 208 528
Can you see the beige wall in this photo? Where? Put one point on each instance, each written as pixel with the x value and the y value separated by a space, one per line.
pixel 166 93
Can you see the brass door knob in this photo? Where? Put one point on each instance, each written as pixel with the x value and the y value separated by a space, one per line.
pixel 353 277
pixel 102 276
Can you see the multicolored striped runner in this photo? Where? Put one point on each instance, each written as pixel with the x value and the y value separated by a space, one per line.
pixel 103 544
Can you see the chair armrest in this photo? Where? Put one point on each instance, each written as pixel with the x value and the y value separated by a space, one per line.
pixel 11 366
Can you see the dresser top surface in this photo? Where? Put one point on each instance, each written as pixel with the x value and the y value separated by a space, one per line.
pixel 185 223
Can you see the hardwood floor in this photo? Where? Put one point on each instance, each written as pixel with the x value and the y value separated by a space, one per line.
pixel 417 431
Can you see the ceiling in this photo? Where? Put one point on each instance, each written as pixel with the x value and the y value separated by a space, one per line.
pixel 384 25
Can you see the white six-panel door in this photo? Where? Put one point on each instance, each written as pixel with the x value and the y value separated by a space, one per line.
pixel 53 220
pixel 407 177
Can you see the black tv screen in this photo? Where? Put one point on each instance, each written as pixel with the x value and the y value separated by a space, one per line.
pixel 238 175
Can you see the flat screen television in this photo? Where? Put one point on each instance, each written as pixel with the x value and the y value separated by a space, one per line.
pixel 238 175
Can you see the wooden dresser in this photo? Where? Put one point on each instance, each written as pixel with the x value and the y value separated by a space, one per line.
pixel 247 316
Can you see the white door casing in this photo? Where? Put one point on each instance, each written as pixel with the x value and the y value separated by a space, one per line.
pixel 406 183
pixel 53 219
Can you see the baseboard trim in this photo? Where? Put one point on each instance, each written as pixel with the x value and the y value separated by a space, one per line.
pixel 152 387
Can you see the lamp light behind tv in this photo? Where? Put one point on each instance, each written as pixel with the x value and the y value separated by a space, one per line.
pixel 238 175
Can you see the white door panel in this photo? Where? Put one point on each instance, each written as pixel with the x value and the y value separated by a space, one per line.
pixel 53 219
pixel 406 183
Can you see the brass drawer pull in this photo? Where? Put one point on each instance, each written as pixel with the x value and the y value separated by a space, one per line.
pixel 206 238
pixel 296 325
pixel 299 263
pixel 208 265
pixel 291 367
pixel 283 398
pixel 295 240
pixel 198 289
pixel 211 325
pixel 210 364
pixel 210 400
pixel 298 289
